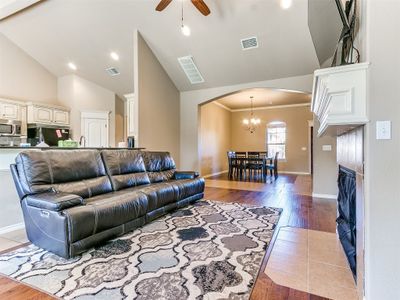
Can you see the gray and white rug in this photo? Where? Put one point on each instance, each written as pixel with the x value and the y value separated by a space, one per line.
pixel 210 250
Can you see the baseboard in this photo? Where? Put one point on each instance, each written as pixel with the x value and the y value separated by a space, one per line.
pixel 325 196
pixel 10 228
pixel 294 173
pixel 215 174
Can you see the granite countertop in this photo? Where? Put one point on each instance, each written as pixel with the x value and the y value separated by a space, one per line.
pixel 67 148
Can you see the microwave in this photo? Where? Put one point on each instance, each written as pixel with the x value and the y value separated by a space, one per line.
pixel 10 128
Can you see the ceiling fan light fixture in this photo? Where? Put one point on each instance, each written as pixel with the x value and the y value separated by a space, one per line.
pixel 286 4
pixel 185 30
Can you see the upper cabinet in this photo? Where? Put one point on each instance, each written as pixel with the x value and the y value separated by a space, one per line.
pixel 11 110
pixel 44 114
pixel 339 98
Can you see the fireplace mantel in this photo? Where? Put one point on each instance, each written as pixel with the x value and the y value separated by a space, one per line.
pixel 339 98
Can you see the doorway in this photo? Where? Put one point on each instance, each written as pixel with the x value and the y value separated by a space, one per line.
pixel 94 128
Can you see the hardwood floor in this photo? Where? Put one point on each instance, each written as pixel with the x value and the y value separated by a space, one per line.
pixel 289 192
pixel 298 211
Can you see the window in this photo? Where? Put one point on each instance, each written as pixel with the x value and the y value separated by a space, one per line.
pixel 276 139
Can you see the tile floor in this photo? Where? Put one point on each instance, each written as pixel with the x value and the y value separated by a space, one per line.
pixel 313 262
pixel 12 239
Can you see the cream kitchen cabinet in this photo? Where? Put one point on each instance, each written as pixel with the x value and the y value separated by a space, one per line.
pixel 10 111
pixel 60 116
pixel 47 115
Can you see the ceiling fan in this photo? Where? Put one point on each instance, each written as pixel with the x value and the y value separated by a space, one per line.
pixel 199 4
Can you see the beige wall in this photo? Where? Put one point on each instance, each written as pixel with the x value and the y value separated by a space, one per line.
pixel 382 169
pixel 158 102
pixel 82 95
pixel 215 138
pixel 297 133
pixel 189 106
pixel 325 166
pixel 22 77
pixel 120 135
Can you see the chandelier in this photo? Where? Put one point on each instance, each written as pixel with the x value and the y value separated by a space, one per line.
pixel 251 123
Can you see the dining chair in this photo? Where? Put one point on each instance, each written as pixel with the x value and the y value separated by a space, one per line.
pixel 254 167
pixel 231 163
pixel 273 168
pixel 263 153
pixel 240 164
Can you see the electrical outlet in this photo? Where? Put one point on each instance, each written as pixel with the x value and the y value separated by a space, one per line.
pixel 383 130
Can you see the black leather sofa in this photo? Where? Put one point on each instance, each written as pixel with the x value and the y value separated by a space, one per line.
pixel 73 200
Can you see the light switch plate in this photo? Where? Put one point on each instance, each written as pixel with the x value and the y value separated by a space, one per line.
pixel 383 130
pixel 326 147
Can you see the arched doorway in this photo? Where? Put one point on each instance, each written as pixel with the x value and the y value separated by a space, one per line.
pixel 221 128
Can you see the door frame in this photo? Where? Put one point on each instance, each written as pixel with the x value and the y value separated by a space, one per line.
pixel 100 115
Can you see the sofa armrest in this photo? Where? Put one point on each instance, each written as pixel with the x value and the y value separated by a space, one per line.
pixel 53 201
pixel 185 175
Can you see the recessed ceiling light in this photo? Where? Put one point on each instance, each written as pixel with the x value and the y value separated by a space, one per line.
pixel 286 4
pixel 114 56
pixel 72 66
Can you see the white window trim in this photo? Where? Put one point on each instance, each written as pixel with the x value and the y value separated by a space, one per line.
pixel 277 124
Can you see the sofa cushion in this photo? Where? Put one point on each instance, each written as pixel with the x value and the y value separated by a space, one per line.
pixel 125 167
pixel 188 187
pixel 160 166
pixel 104 212
pixel 79 172
pixel 158 194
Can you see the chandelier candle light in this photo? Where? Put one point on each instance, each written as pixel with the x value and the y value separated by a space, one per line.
pixel 251 123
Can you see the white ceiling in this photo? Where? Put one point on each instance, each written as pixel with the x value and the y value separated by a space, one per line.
pixel 264 98
pixel 55 32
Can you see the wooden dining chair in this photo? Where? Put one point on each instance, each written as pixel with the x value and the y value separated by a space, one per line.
pixel 273 168
pixel 263 153
pixel 240 164
pixel 254 167
pixel 231 163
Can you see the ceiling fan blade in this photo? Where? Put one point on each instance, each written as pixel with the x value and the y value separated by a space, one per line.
pixel 201 6
pixel 163 4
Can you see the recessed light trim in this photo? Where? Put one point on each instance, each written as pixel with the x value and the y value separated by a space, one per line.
pixel 114 56
pixel 72 66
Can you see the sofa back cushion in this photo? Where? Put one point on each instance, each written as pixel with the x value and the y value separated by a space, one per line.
pixel 79 172
pixel 125 167
pixel 160 166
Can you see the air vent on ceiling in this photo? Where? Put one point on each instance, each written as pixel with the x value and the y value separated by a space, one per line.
pixel 112 71
pixel 249 43
pixel 190 69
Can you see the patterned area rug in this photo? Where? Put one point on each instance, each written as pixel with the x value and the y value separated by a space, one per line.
pixel 210 250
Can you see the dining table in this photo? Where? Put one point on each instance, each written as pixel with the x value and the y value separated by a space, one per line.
pixel 241 164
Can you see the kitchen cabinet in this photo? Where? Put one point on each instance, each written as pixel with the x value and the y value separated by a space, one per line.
pixel 47 115
pixel 60 116
pixel 10 111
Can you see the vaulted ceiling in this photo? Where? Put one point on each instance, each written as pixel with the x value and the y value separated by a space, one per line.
pixel 55 32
